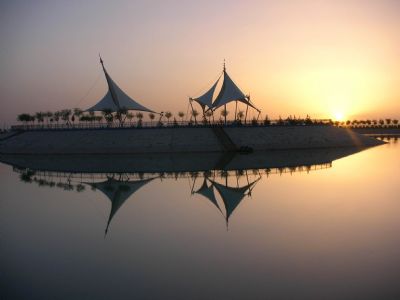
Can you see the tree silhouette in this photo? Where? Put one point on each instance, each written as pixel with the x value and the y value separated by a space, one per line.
pixel 168 115
pixel 108 116
pixel 208 114
pixel 39 117
pixel 195 114
pixel 77 112
pixel 48 115
pixel 151 116
pixel 24 118
pixel 65 114
pixel 121 115
pixel 181 115
pixel 240 115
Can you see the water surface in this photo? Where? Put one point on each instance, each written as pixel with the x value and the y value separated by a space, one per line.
pixel 323 226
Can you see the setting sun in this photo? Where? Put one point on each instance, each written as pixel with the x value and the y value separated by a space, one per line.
pixel 338 116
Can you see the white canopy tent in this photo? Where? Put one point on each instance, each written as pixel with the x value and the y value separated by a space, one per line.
pixel 115 98
pixel 229 92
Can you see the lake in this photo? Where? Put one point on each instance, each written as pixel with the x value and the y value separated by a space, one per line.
pixel 277 225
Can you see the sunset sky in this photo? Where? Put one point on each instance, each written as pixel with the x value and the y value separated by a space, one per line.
pixel 322 58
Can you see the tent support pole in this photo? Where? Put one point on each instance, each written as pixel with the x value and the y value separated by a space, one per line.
pixel 191 105
pixel 236 111
pixel 245 118
pixel 225 113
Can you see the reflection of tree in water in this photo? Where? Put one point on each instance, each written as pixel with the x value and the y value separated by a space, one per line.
pixel 29 176
pixel 26 176
pixel 389 138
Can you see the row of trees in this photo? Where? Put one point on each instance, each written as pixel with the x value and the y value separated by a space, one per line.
pixel 76 115
pixel 70 117
pixel 368 123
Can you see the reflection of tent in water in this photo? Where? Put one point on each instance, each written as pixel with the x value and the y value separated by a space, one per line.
pixel 231 196
pixel 118 191
pixel 208 192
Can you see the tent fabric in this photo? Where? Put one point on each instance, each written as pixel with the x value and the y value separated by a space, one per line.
pixel 232 196
pixel 208 192
pixel 205 100
pixel 118 192
pixel 116 98
pixel 229 92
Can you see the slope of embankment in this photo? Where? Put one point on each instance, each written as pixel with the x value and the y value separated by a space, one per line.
pixel 180 139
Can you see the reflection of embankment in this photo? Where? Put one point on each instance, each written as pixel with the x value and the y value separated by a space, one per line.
pixel 225 180
pixel 184 162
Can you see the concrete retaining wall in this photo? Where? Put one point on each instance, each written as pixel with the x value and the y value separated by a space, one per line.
pixel 164 140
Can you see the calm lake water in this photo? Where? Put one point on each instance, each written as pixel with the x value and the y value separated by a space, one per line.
pixel 311 229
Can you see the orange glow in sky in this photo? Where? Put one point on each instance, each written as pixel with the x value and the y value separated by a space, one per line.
pixel 328 59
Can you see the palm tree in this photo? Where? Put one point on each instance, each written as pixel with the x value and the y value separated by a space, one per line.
pixel 395 122
pixel 24 118
pixel 181 115
pixel 57 116
pixel 381 122
pixel 224 113
pixel 168 115
pixel 151 116
pixel 98 119
pixel 121 115
pixel 130 116
pixel 267 121
pixel 48 116
pixel 208 114
pixel 108 116
pixel 92 117
pixel 32 119
pixel 195 114
pixel 240 115
pixel 77 113
pixel 65 114
pixel 39 117
pixel 388 121
pixel 139 115
pixel 84 118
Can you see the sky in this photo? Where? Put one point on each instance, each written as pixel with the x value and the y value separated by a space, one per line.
pixel 326 59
